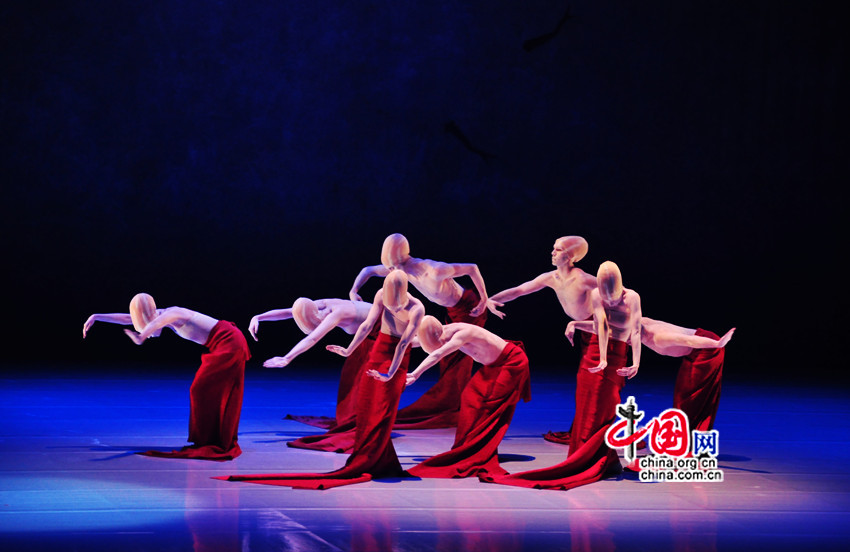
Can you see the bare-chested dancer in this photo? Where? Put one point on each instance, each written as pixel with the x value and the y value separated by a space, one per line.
pixel 571 285
pixel 400 315
pixel 616 315
pixel 373 454
pixel 601 376
pixel 698 382
pixel 488 401
pixel 216 392
pixel 438 407
pixel 316 319
pixel 663 337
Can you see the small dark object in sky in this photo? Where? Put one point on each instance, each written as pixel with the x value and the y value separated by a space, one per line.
pixel 452 128
pixel 536 42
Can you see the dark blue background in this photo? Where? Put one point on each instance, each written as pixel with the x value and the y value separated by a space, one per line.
pixel 233 156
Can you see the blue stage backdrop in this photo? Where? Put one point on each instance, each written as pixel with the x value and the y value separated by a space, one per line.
pixel 232 156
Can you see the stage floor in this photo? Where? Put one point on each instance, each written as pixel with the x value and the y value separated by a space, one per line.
pixel 69 479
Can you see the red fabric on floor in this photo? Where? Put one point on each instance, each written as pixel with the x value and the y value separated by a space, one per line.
pixel 697 391
pixel 216 398
pixel 487 406
pixel 374 455
pixel 563 437
pixel 589 458
pixel 340 434
pixel 438 407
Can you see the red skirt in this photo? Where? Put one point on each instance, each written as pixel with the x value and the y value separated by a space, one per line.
pixel 697 391
pixel 439 406
pixel 589 458
pixel 216 398
pixel 340 434
pixel 563 437
pixel 487 406
pixel 374 455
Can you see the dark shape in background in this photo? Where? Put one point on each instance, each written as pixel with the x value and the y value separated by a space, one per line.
pixel 231 158
pixel 452 128
pixel 538 41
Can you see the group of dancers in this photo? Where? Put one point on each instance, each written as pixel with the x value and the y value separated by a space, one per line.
pixel 606 323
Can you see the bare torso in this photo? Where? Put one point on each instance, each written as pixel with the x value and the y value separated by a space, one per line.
pixel 573 289
pixel 620 316
pixel 351 313
pixel 483 346
pixel 394 323
pixel 191 325
pixel 424 275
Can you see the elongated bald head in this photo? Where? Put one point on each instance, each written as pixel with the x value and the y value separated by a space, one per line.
pixel 610 282
pixel 306 314
pixel 142 310
pixel 429 333
pixel 568 250
pixel 395 290
pixel 395 251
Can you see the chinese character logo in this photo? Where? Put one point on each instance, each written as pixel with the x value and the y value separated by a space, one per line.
pixel 677 454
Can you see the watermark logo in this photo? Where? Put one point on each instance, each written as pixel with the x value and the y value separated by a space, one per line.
pixel 677 454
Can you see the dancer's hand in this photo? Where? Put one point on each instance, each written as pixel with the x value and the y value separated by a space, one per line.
pixel 137 339
pixel 479 308
pixel 254 327
pixel 277 362
pixel 491 305
pixel 338 349
pixel 87 326
pixel 628 372
pixel 571 330
pixel 378 376
pixel 602 365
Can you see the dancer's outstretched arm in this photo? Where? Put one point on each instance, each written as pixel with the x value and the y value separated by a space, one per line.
pixel 367 272
pixel 364 329
pixel 510 294
pixel 113 318
pixel 330 322
pixel 455 270
pixel 668 338
pixel 455 343
pixel 268 316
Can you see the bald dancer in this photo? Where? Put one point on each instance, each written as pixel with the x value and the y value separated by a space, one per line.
pixel 373 455
pixel 571 285
pixel 216 391
pixel 438 407
pixel 601 376
pixel 697 390
pixel 488 401
pixel 317 318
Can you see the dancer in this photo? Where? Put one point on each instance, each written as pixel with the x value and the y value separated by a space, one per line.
pixel 571 285
pixel 316 319
pixel 437 407
pixel 601 376
pixel 377 402
pixel 488 401
pixel 697 390
pixel 216 391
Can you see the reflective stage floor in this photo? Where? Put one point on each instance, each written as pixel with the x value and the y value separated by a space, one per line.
pixel 69 479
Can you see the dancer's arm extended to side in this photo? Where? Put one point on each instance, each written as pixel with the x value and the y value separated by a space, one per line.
pixel 113 318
